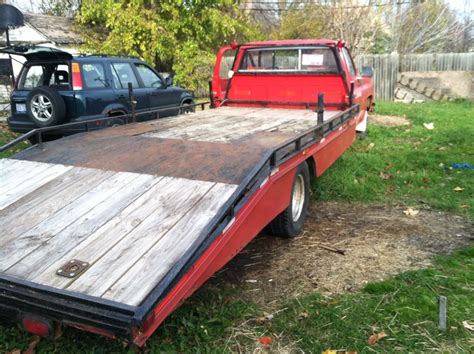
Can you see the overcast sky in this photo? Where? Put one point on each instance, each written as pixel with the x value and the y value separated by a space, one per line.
pixel 32 5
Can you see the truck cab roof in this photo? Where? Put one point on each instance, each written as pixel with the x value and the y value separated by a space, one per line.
pixel 293 42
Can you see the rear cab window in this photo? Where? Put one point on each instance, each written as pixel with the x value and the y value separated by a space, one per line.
pixel 55 75
pixel 304 59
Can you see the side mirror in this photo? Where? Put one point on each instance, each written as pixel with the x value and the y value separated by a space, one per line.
pixel 169 81
pixel 367 71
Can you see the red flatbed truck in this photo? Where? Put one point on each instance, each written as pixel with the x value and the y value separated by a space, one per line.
pixel 111 230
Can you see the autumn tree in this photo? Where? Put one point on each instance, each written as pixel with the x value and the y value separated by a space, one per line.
pixel 358 24
pixel 424 27
pixel 179 35
pixel 59 7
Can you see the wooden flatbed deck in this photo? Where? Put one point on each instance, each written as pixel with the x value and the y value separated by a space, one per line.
pixel 131 200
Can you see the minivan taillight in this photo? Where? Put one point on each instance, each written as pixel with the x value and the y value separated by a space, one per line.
pixel 76 76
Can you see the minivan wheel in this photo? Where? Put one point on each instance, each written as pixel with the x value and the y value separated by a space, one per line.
pixel 45 106
pixel 187 108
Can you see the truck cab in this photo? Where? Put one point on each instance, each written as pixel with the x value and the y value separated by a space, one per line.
pixel 291 74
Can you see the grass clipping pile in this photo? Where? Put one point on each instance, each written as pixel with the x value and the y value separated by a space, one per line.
pixel 377 241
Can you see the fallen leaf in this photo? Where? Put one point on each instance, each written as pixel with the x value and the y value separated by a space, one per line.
pixel 428 126
pixel 370 146
pixel 265 341
pixel 385 176
pixel 303 315
pixel 465 206
pixel 33 344
pixel 265 318
pixel 458 189
pixel 468 325
pixel 411 212
pixel 374 338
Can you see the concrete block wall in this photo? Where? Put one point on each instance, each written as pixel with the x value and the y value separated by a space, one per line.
pixel 426 86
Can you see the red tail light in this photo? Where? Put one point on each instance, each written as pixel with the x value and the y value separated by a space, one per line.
pixel 39 327
pixel 76 76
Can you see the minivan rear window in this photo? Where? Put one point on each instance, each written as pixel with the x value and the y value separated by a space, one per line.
pixel 55 74
pixel 312 59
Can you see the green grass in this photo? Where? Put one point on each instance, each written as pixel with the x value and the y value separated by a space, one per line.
pixel 409 165
pixel 405 308
pixel 7 136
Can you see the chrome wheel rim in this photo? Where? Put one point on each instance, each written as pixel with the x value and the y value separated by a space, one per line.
pixel 41 107
pixel 297 200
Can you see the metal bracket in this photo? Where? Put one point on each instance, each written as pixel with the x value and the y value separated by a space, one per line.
pixel 72 269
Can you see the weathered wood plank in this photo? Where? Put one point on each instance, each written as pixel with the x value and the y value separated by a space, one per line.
pixel 154 264
pixel 177 198
pixel 16 249
pixel 5 165
pixel 71 236
pixel 41 194
pixel 42 204
pixel 43 174
pixel 207 120
pixel 18 172
pixel 230 125
pixel 105 238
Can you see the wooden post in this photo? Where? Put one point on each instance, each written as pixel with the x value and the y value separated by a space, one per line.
pixel 443 306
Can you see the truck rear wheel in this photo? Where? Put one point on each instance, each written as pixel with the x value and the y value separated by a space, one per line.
pixel 290 222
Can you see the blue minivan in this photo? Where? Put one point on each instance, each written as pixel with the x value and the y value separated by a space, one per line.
pixel 55 88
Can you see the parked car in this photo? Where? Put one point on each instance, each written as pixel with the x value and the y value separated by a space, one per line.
pixel 55 88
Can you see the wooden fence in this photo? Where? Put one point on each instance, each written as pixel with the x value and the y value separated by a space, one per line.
pixel 387 66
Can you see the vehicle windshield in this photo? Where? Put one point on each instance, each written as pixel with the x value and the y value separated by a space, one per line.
pixel 51 74
pixel 315 59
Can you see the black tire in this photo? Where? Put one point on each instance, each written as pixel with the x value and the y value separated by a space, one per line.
pixel 284 225
pixel 115 122
pixel 45 138
pixel 187 108
pixel 45 116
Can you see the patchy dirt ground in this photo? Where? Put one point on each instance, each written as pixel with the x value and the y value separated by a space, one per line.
pixel 388 121
pixel 378 242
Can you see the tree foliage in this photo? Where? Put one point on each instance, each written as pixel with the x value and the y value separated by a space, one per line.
pixel 376 26
pixel 59 7
pixel 180 35
pixel 333 19
pixel 423 27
